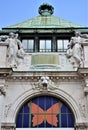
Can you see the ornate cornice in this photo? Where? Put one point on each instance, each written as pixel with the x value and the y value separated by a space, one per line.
pixel 83 72
pixel 9 74
pixel 35 76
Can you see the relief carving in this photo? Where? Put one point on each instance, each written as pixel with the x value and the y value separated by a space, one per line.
pixel 7 107
pixel 83 110
pixel 2 90
pixel 44 84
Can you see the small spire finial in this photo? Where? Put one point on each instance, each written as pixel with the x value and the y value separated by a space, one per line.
pixel 46 9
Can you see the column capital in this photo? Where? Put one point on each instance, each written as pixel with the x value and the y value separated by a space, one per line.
pixel 8 126
pixel 82 125
pixel 86 82
pixel 86 87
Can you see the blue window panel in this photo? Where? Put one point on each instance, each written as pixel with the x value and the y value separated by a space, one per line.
pixel 68 110
pixel 35 100
pixel 55 100
pixel 70 120
pixel 41 125
pixel 19 121
pixel 48 125
pixel 63 109
pixel 58 120
pixel 41 102
pixel 21 110
pixel 63 120
pixel 48 102
pixel 26 121
pixel 31 120
pixel 26 108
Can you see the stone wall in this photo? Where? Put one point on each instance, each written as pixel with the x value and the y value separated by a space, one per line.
pixel 69 88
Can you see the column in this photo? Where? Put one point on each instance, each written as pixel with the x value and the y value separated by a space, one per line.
pixel 1 108
pixel 54 46
pixel 86 94
pixel 36 44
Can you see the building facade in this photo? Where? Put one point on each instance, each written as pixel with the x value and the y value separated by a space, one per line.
pixel 44 74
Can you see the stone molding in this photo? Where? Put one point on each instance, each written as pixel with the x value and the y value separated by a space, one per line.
pixel 8 73
pixel 11 116
pixel 3 44
pixel 35 76
pixel 8 125
pixel 82 125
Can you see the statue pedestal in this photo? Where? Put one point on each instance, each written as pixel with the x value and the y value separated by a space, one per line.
pixel 3 54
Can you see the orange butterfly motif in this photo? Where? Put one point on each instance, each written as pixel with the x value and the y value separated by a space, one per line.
pixel 39 115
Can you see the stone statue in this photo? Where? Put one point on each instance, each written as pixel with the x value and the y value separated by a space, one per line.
pixel 69 51
pixel 3 38
pixel 75 50
pixel 84 37
pixel 15 49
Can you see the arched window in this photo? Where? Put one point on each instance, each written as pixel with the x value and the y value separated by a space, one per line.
pixel 44 111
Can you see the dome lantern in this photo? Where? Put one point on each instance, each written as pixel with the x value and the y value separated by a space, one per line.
pixel 46 9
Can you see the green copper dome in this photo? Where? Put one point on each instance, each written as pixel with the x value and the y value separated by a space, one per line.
pixel 45 20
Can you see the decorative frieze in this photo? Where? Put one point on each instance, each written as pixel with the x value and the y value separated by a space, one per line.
pixel 36 78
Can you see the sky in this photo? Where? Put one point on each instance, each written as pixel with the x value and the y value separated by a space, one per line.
pixel 16 11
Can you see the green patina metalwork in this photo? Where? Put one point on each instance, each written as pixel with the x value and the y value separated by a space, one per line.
pixel 44 59
pixel 45 22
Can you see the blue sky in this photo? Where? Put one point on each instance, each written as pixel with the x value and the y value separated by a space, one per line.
pixel 16 11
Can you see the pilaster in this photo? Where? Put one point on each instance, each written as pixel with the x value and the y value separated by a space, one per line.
pixel 2 94
pixel 86 94
pixel 83 72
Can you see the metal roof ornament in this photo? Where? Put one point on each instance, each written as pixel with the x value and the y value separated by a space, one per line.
pixel 45 9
